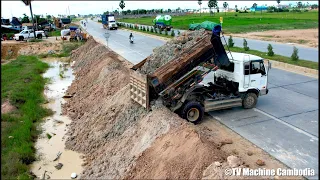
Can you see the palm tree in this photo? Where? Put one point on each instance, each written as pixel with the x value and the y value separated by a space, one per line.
pixel 278 1
pixel 254 6
pixel 200 2
pixel 122 5
pixel 211 4
pixel 225 5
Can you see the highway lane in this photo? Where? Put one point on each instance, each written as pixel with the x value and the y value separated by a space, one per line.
pixel 306 53
pixel 284 122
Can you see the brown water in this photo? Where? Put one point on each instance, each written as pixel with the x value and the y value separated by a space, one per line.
pixel 61 77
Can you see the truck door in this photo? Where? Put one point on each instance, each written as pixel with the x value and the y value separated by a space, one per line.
pixel 257 75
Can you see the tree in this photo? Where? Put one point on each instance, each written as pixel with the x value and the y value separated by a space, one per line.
pixel 200 2
pixel 236 6
pixel 254 6
pixel 294 55
pixel 211 4
pixel 299 4
pixel 245 45
pixel 270 50
pixel 230 42
pixel 122 5
pixel 25 19
pixel 106 13
pixel 48 17
pixel 225 5
pixel 278 1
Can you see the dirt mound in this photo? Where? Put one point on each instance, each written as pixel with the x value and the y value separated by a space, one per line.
pixel 10 51
pixel 120 139
pixel 179 154
pixel 165 53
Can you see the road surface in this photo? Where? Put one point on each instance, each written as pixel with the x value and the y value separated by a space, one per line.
pixel 284 122
pixel 306 53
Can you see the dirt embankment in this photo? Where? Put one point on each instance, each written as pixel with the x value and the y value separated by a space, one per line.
pixel 10 50
pixel 121 140
pixel 306 37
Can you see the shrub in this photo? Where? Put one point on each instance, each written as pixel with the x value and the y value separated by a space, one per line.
pixel 245 45
pixel 230 42
pixel 143 28
pixel 172 33
pixel 270 51
pixel 178 32
pixel 148 29
pixel 151 30
pixel 294 55
pixel 166 32
pixel 235 14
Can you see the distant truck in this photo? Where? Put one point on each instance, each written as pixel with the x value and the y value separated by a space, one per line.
pixel 202 79
pixel 109 21
pixel 163 22
pixel 27 34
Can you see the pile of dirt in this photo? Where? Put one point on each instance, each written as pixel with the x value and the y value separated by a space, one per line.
pixel 114 132
pixel 120 139
pixel 40 48
pixel 163 54
pixel 10 51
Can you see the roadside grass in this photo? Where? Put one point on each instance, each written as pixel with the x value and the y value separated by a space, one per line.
pixel 54 33
pixel 67 47
pixel 23 85
pixel 147 32
pixel 300 62
pixel 243 22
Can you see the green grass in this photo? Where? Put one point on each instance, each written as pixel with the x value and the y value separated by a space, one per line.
pixel 148 32
pixel 23 85
pixel 67 47
pixel 300 62
pixel 54 33
pixel 243 22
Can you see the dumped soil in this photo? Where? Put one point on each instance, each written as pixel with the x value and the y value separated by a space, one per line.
pixel 171 50
pixel 306 37
pixel 120 140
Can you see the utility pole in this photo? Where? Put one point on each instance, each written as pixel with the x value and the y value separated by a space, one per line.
pixel 28 3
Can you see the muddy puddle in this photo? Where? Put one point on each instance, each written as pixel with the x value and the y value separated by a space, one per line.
pixel 51 142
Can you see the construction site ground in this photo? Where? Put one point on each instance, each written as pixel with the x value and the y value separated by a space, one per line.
pixel 304 37
pixel 290 106
pixel 120 139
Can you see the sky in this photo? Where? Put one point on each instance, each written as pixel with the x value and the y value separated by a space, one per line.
pixel 17 8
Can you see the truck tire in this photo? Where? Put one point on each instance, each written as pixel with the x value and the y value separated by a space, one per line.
pixel 21 38
pixel 192 111
pixel 39 36
pixel 249 101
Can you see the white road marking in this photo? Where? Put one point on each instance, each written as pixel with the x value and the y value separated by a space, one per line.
pixel 289 125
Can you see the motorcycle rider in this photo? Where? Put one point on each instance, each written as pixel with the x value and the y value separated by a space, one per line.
pixel 131 37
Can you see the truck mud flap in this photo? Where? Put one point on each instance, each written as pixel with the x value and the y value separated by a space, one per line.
pixel 139 91
pixel 211 105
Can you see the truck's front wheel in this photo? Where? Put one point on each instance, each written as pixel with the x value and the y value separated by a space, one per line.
pixel 21 38
pixel 192 111
pixel 249 101
pixel 39 36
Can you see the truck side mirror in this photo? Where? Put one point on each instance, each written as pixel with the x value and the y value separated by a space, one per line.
pixel 269 65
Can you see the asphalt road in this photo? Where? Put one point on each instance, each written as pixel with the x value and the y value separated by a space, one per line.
pixel 306 53
pixel 284 122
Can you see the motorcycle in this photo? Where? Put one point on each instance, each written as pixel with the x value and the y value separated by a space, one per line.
pixel 131 40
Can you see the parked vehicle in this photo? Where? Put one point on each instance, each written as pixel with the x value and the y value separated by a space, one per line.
pixel 203 79
pixel 27 34
pixel 109 21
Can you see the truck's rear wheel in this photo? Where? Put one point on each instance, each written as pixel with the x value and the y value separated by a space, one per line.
pixel 249 101
pixel 192 112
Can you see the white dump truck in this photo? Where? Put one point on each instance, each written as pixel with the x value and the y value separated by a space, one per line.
pixel 205 78
pixel 27 34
